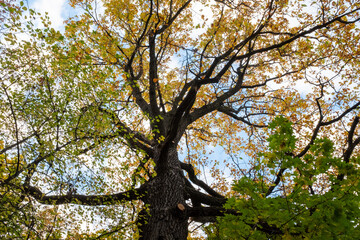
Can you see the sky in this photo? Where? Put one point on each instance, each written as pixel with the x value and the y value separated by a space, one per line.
pixel 58 10
pixel 55 8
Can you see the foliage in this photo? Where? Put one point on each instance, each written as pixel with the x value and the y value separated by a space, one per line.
pixel 111 126
pixel 295 209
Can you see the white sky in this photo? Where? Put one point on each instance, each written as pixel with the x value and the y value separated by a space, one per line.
pixel 58 10
pixel 54 8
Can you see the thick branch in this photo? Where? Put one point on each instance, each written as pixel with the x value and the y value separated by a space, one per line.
pixel 202 212
pixel 351 145
pixel 206 212
pixel 16 144
pixel 352 130
pixel 276 182
pixel 134 138
pixel 342 115
pixel 91 200
pixel 205 199
pixel 153 77
pixel 140 101
pixel 190 170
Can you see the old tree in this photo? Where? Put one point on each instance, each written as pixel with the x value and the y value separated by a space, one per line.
pixel 135 119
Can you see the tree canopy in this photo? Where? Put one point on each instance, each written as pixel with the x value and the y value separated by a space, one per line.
pixel 224 119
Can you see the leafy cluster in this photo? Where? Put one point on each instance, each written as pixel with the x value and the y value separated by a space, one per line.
pixel 309 202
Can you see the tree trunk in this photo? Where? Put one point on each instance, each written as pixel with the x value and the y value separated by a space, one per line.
pixel 163 219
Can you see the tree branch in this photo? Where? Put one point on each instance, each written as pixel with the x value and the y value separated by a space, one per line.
pixel 351 145
pixel 190 170
pixel 205 199
pixel 172 19
pixel 209 214
pixel 276 182
pixel 297 36
pixel 16 144
pixel 90 200
pixel 134 138
pixel 226 111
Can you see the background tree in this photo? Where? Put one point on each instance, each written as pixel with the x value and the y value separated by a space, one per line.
pixel 309 201
pixel 93 120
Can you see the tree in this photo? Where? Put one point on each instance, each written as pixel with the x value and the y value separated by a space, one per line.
pixel 93 119
pixel 312 203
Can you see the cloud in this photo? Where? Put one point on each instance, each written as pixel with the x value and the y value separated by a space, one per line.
pixel 54 8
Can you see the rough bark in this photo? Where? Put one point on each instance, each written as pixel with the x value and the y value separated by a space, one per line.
pixel 163 218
